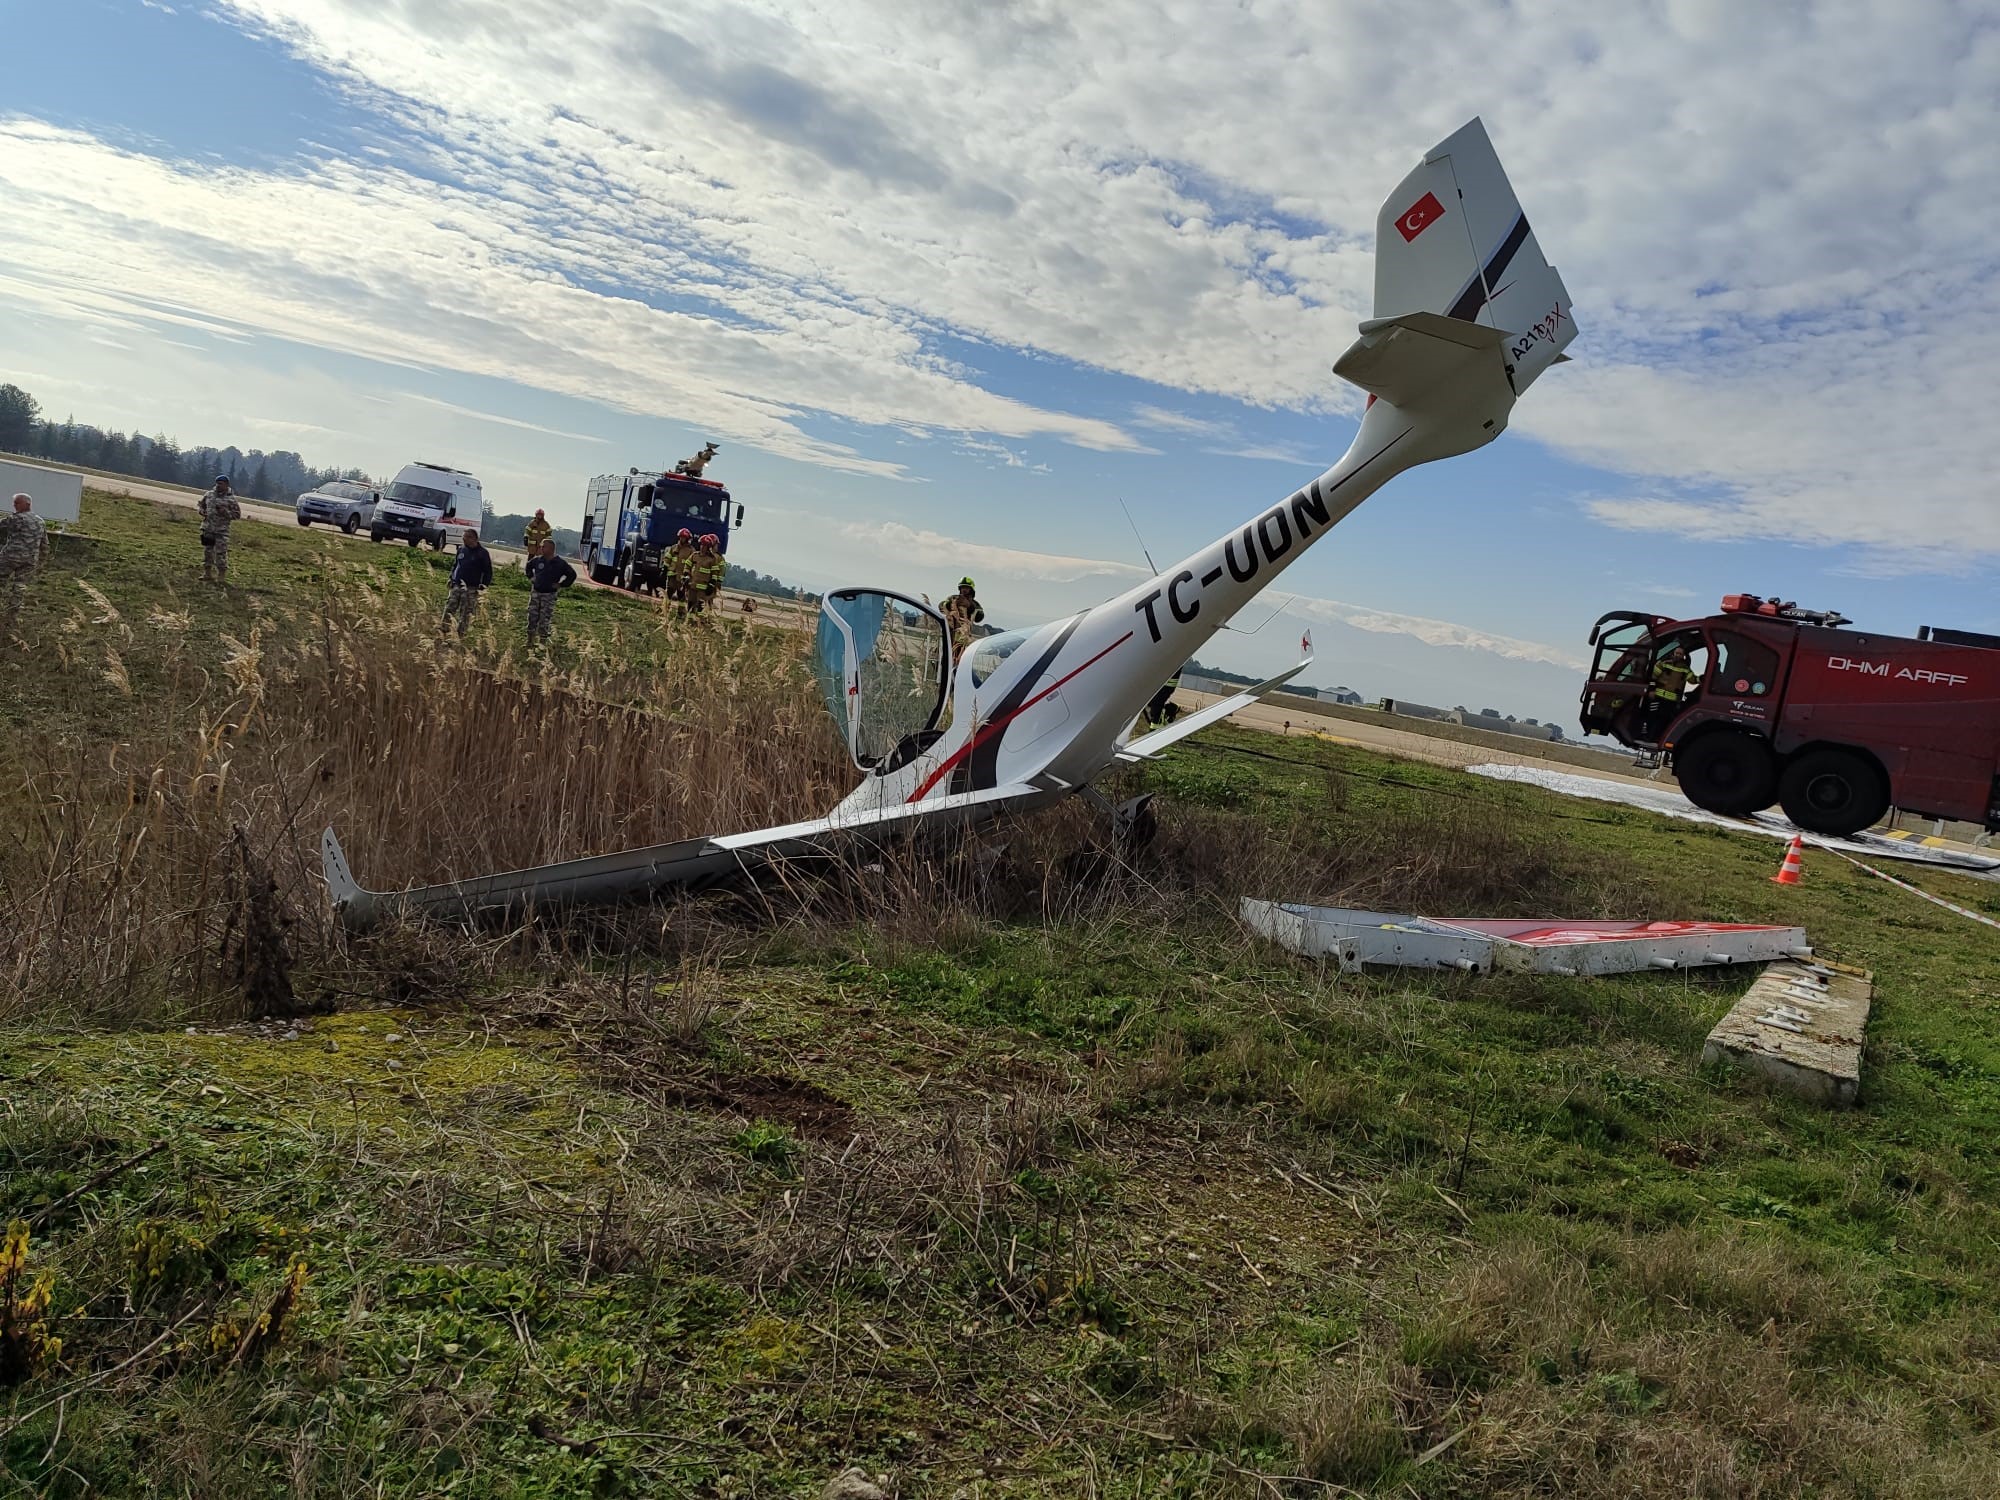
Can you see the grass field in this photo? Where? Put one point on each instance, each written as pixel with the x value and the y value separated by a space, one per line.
pixel 1031 1178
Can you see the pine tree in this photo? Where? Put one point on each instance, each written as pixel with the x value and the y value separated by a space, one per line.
pixel 163 460
pixel 260 487
pixel 18 414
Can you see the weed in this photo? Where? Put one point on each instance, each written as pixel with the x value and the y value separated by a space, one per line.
pixel 767 1144
pixel 26 1345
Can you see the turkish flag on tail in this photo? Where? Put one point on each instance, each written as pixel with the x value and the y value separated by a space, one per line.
pixel 1419 216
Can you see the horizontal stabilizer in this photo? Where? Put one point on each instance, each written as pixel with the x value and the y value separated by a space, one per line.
pixel 1401 358
pixel 1149 745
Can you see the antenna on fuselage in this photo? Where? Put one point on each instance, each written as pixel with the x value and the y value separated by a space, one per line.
pixel 1136 537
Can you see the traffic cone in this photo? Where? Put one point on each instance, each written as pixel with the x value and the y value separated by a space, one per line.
pixel 1794 865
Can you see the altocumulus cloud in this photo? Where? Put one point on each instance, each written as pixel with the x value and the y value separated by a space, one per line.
pixel 1775 220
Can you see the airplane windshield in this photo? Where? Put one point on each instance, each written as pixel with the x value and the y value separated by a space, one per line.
pixel 882 663
pixel 985 656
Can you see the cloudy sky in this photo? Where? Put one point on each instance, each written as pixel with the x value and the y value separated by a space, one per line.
pixel 948 282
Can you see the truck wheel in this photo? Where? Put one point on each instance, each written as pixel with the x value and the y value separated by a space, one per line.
pixel 414 541
pixel 304 522
pixel 352 524
pixel 1730 774
pixel 1833 791
pixel 601 574
pixel 374 535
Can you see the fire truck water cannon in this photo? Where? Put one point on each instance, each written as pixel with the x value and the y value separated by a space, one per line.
pixel 1767 703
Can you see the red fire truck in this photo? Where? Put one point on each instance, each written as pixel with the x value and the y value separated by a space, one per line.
pixel 1766 702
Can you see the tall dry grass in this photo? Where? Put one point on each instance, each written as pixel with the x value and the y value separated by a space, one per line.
pixel 175 871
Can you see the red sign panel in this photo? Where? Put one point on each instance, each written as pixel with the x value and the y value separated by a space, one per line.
pixel 1547 935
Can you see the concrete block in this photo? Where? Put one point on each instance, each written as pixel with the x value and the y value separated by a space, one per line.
pixel 1801 1026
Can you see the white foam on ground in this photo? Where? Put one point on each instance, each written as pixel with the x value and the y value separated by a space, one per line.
pixel 1668 802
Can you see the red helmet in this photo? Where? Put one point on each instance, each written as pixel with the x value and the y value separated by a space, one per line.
pixel 684 535
pixel 710 540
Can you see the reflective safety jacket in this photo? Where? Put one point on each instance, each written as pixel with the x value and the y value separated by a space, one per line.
pixel 534 534
pixel 962 615
pixel 710 568
pixel 1670 680
pixel 680 562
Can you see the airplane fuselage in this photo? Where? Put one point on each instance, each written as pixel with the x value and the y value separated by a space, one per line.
pixel 1060 704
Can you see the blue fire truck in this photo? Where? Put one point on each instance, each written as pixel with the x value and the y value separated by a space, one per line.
pixel 630 521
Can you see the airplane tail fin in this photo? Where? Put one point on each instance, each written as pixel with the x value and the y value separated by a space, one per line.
pixel 1452 240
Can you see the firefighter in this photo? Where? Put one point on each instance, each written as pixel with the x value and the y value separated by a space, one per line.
pixel 680 568
pixel 963 612
pixel 535 533
pixel 705 582
pixel 1673 680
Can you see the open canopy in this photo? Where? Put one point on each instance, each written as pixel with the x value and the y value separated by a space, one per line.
pixel 884 666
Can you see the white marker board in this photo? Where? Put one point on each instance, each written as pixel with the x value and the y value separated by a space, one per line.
pixel 57 493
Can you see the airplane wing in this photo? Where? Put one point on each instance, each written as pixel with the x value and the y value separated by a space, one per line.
pixel 686 864
pixel 1147 746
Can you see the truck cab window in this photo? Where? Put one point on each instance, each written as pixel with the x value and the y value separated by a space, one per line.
pixel 1743 667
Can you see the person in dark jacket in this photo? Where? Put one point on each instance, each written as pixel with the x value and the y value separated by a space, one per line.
pixel 471 576
pixel 546 574
pixel 1161 709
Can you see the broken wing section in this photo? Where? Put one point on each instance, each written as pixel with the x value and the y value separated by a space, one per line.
pixel 689 864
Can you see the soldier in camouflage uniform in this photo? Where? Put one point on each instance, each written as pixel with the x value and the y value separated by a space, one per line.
pixel 218 509
pixel 471 576
pixel 546 574
pixel 24 544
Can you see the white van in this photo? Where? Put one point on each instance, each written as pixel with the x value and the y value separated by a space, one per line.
pixel 428 503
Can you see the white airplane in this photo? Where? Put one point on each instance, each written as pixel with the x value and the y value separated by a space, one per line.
pixel 1467 314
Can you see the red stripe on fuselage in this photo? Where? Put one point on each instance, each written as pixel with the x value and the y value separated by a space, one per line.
pixel 958 756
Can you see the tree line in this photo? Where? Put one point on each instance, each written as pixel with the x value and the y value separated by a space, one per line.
pixel 280 477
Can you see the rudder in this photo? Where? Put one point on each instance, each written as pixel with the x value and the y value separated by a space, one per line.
pixel 1452 239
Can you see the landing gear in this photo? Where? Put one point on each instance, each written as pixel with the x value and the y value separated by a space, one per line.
pixel 1134 824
